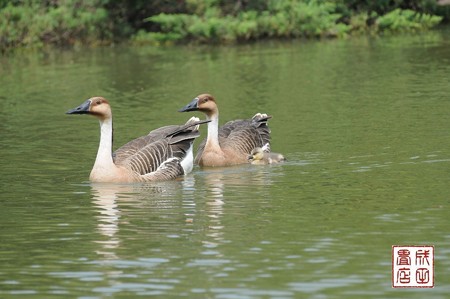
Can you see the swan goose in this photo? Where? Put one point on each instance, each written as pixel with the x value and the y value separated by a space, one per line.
pixel 259 156
pixel 231 143
pixel 163 154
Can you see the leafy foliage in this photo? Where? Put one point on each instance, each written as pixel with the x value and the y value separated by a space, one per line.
pixel 38 23
pixel 406 20
pixel 290 18
pixel 282 18
pixel 71 22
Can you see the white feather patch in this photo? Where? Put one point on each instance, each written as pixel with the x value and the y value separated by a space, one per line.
pixel 266 148
pixel 188 161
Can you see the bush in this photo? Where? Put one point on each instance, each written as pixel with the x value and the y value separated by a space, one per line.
pixel 283 18
pixel 310 19
pixel 406 20
pixel 69 22
pixel 65 23
pixel 15 27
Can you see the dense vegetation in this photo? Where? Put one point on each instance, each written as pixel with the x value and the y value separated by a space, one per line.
pixel 70 22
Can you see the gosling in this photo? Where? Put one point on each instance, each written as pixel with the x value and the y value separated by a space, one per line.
pixel 259 157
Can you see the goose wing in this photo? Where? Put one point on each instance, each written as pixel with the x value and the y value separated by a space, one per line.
pixel 242 140
pixel 134 146
pixel 157 161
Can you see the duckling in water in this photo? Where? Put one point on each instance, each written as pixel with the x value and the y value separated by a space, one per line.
pixel 259 157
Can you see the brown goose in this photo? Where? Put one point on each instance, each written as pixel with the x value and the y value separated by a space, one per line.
pixel 260 157
pixel 231 143
pixel 163 154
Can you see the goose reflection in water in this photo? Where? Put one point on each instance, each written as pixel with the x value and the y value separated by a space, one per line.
pixel 107 198
pixel 162 204
pixel 215 204
pixel 212 185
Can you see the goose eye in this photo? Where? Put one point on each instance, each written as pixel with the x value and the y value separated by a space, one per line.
pixel 98 102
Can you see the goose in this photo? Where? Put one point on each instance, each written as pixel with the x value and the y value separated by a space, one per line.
pixel 231 143
pixel 260 157
pixel 164 154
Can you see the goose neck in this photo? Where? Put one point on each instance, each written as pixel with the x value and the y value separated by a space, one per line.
pixel 213 130
pixel 104 154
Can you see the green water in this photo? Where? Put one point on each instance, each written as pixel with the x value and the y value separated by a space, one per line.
pixel 364 124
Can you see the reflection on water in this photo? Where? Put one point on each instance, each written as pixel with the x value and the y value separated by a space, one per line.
pixel 214 184
pixel 109 197
pixel 214 188
pixel 105 197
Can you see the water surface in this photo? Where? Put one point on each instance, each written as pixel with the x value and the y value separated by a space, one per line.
pixel 364 124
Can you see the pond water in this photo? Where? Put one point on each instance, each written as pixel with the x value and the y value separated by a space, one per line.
pixel 364 124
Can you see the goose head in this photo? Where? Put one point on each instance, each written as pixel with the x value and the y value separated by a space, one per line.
pixel 256 154
pixel 204 103
pixel 96 106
